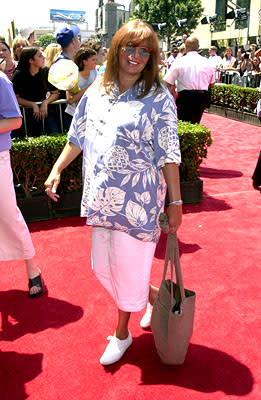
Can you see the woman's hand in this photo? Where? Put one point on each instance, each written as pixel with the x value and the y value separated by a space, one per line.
pixel 171 175
pixel 175 217
pixel 36 111
pixel 43 110
pixel 51 185
pixel 69 153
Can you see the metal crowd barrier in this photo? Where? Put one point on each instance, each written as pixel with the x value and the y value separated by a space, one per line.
pixel 56 102
pixel 234 77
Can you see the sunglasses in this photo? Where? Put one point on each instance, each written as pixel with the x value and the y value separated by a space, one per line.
pixel 143 52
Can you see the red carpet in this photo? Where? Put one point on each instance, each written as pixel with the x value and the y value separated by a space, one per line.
pixel 50 347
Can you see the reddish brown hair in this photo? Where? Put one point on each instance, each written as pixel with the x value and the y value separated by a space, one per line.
pixel 134 32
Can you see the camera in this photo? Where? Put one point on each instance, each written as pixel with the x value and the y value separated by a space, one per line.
pixel 246 56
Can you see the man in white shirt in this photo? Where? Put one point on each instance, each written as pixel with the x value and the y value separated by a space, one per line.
pixel 214 59
pixel 192 76
pixel 172 57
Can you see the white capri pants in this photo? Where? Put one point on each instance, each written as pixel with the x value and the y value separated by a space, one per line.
pixel 123 265
pixel 15 239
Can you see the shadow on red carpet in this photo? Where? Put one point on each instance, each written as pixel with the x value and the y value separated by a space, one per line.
pixel 209 204
pixel 205 370
pixel 219 173
pixel 183 247
pixel 22 315
pixel 24 367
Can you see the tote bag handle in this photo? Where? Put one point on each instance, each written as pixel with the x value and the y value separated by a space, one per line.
pixel 172 255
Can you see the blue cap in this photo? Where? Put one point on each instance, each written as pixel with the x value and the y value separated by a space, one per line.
pixel 66 35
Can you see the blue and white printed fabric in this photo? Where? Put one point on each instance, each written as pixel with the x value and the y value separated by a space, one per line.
pixel 125 141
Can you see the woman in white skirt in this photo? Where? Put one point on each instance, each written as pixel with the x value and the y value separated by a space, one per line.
pixel 15 239
pixel 126 126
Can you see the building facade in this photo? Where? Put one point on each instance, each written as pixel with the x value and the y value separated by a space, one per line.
pixel 109 18
pixel 233 32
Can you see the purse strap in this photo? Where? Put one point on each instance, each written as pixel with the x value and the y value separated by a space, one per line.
pixel 172 255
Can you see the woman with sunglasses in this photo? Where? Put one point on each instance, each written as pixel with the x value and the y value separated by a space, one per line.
pixel 126 126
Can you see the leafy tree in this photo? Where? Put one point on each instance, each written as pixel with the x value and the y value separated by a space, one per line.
pixel 46 39
pixel 170 11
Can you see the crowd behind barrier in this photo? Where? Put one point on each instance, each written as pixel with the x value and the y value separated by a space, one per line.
pixel 45 107
pixel 242 70
pixel 59 116
pixel 227 79
pixel 251 80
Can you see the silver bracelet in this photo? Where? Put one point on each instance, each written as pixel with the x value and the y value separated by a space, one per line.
pixel 176 202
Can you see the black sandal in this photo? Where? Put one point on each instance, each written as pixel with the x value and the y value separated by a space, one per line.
pixel 38 282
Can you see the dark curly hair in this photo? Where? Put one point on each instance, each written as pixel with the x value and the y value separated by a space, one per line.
pixel 83 54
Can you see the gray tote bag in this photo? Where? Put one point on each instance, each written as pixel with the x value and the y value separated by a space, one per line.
pixel 173 311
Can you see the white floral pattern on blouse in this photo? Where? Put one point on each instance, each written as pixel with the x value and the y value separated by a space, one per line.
pixel 125 141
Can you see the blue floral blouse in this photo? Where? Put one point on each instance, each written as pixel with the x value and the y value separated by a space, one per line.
pixel 125 141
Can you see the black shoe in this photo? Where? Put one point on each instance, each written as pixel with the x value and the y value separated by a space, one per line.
pixel 38 282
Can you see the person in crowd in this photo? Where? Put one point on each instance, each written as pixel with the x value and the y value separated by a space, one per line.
pixel 252 50
pixel 101 55
pixel 228 59
pixel 227 66
pixel 192 75
pixel 171 59
pixel 236 66
pixel 184 38
pixel 51 52
pixel 246 63
pixel 68 39
pixel 5 54
pixel 182 51
pixel 85 59
pixel 235 71
pixel 256 64
pixel 246 67
pixel 30 82
pixel 126 126
pixel 19 43
pixel 163 62
pixel 255 72
pixel 101 58
pixel 28 33
pixel 15 239
pixel 214 59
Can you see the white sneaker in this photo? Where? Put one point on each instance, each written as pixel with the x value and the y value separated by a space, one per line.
pixel 115 349
pixel 145 321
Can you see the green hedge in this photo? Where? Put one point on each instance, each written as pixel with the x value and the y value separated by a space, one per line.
pixel 235 97
pixel 194 142
pixel 33 158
